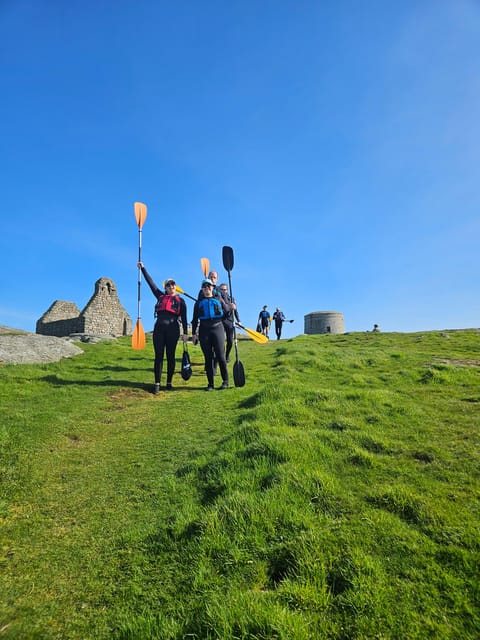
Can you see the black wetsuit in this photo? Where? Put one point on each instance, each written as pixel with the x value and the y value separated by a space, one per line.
pixel 264 321
pixel 279 319
pixel 209 313
pixel 227 310
pixel 229 320
pixel 167 329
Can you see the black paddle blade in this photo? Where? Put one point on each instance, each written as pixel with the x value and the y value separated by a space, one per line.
pixel 238 374
pixel 227 256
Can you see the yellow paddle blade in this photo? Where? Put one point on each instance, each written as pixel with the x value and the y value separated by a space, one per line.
pixel 140 210
pixel 138 336
pixel 184 293
pixel 254 335
pixel 205 263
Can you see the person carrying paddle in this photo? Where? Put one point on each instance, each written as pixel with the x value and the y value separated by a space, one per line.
pixel 229 318
pixel 213 277
pixel 264 321
pixel 208 313
pixel 227 307
pixel 279 319
pixel 170 310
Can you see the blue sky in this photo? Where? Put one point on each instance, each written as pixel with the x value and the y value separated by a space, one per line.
pixel 334 145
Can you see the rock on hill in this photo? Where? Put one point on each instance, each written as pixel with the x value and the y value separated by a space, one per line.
pixel 21 347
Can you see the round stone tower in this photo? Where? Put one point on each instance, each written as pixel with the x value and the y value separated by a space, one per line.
pixel 324 322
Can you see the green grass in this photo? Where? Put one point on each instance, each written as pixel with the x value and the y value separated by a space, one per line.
pixel 336 495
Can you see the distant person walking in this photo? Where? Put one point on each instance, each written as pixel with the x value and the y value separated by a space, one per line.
pixel 208 313
pixel 263 324
pixel 170 311
pixel 279 319
pixel 229 319
pixel 376 328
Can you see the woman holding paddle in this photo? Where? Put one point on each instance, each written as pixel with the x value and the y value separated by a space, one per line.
pixel 170 310
pixel 208 313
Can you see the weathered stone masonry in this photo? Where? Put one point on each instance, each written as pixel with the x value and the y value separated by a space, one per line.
pixel 103 315
pixel 324 322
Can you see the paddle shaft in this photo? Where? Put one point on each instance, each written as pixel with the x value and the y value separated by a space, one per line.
pixel 139 269
pixel 138 335
pixel 184 293
pixel 234 330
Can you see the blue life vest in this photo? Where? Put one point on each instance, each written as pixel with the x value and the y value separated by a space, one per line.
pixel 209 309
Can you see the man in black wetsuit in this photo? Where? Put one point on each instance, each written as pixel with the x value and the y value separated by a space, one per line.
pixel 229 318
pixel 279 319
pixel 264 320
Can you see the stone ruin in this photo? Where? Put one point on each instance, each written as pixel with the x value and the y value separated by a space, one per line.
pixel 324 322
pixel 103 315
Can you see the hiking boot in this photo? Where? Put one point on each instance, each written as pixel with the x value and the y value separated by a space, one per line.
pixel 169 386
pixel 156 388
pixel 223 386
pixel 209 388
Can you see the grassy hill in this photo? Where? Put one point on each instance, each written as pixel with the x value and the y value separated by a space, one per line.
pixel 336 495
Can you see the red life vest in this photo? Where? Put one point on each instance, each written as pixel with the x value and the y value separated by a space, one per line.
pixel 169 303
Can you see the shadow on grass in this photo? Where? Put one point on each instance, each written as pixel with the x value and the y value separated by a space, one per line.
pixel 250 402
pixel 110 368
pixel 145 386
pixel 53 379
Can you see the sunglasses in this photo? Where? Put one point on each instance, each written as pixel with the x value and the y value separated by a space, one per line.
pixel 206 285
pixel 170 284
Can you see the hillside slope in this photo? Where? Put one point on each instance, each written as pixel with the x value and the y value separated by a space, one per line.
pixel 334 496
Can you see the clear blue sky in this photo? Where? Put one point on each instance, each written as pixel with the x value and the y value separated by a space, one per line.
pixel 335 145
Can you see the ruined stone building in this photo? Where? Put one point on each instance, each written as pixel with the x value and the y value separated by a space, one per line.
pixel 324 322
pixel 103 315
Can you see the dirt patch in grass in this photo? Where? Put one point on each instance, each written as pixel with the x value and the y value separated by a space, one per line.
pixel 461 363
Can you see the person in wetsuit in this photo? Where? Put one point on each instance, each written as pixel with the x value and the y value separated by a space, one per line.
pixel 279 319
pixel 227 308
pixel 213 277
pixel 229 319
pixel 169 311
pixel 208 312
pixel 263 324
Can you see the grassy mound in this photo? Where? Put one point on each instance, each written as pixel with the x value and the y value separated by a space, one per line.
pixel 334 496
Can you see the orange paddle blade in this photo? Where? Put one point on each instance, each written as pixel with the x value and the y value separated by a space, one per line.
pixel 138 336
pixel 140 210
pixel 205 262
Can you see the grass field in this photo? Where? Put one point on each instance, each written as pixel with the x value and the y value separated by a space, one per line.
pixel 335 496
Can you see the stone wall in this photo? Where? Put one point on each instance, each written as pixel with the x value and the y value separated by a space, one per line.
pixel 103 315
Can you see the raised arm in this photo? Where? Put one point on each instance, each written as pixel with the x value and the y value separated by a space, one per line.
pixel 148 278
